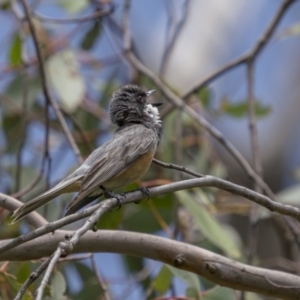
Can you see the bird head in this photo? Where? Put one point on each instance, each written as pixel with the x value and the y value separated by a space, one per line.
pixel 129 105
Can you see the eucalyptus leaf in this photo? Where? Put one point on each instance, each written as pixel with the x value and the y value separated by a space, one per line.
pixel 65 77
pixel 290 195
pixel 291 31
pixel 218 293
pixel 163 280
pixel 204 95
pixel 91 36
pixel 14 93
pixel 15 50
pixel 191 279
pixel 208 225
pixel 58 286
pixel 74 6
pixel 240 109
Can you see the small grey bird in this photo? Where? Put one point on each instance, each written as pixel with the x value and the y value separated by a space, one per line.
pixel 117 163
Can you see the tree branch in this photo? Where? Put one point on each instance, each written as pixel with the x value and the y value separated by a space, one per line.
pixel 214 267
pixel 10 203
pixel 180 104
pixel 46 91
pixel 131 197
pixel 252 54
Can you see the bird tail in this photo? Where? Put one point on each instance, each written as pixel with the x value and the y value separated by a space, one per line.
pixel 66 186
pixel 74 206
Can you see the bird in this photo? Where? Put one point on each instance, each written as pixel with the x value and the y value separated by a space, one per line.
pixel 120 161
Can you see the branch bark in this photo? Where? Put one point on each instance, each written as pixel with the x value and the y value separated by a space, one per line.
pixel 206 181
pixel 214 267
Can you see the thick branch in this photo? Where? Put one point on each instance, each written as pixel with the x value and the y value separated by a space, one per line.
pixel 206 181
pixel 216 268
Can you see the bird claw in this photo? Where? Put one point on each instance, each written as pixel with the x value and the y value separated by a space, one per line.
pixel 119 198
pixel 94 228
pixel 109 194
pixel 145 192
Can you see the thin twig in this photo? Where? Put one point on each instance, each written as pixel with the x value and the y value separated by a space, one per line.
pixel 253 224
pixel 65 248
pixel 102 284
pixel 252 124
pixel 177 167
pixel 46 91
pixel 33 276
pixel 24 60
pixel 177 176
pixel 31 185
pixel 50 265
pixel 46 157
pixel 172 41
pixel 178 102
pixel 90 17
pixel 11 204
pixel 252 54
pixel 85 139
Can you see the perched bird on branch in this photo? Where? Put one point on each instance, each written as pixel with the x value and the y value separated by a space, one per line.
pixel 117 163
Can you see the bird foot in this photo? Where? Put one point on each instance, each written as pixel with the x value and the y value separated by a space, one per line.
pixel 94 228
pixel 145 192
pixel 109 194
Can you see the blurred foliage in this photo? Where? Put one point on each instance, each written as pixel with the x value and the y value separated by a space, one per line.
pixel 91 36
pixel 240 109
pixel 83 91
pixel 291 31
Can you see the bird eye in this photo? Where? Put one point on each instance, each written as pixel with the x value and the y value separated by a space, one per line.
pixel 140 99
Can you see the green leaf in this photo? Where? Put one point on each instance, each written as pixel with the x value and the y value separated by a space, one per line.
pixel 111 220
pixel 204 94
pixel 253 296
pixel 217 293
pixel 9 286
pixel 139 217
pixel 23 271
pixel 208 225
pixel 15 51
pixel 262 110
pixel 91 286
pixel 290 195
pixel 91 36
pixel 74 7
pixel 4 4
pixel 240 109
pixel 58 286
pixel 13 97
pixel 291 31
pixel 12 126
pixel 191 279
pixel 163 280
pixel 65 77
pixel 27 175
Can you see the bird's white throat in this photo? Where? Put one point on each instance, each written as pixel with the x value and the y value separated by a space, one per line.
pixel 153 113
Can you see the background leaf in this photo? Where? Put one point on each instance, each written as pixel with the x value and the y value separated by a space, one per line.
pixel 208 225
pixel 63 71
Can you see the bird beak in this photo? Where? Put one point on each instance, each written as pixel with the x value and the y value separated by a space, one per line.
pixel 157 104
pixel 150 93
pixel 153 104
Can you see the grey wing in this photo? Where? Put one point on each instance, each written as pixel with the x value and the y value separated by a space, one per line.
pixel 116 155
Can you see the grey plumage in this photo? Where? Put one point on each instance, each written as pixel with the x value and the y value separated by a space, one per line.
pixel 133 146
